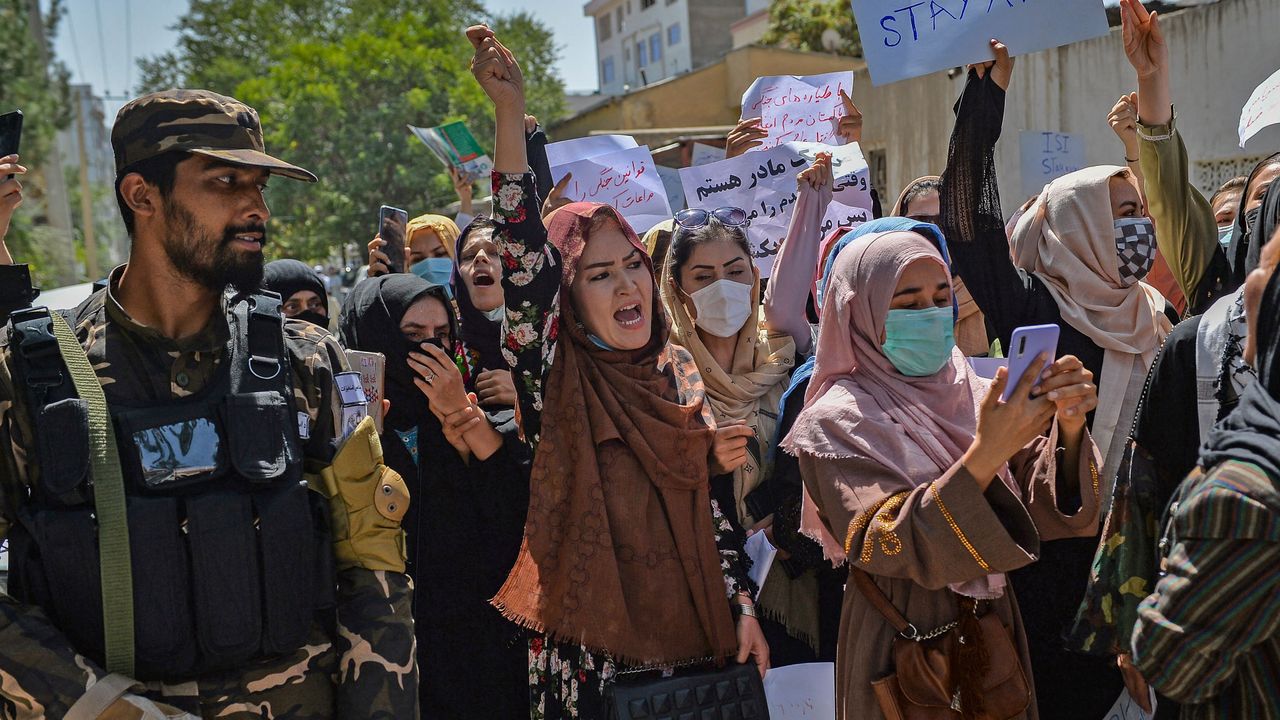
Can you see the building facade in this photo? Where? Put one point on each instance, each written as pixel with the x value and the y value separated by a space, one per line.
pixel 640 42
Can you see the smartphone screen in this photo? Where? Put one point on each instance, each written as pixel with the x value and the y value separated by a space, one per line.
pixel 1025 348
pixel 392 224
pixel 10 134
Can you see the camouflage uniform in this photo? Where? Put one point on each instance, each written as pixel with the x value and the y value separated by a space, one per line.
pixel 359 659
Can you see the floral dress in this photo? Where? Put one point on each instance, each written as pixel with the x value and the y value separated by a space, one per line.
pixel 566 680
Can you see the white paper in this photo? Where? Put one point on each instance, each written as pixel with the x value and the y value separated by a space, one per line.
pixel 1126 709
pixel 626 179
pixel 764 185
pixel 567 151
pixel 675 191
pixel 798 108
pixel 703 154
pixel 761 552
pixel 1047 156
pixel 801 692
pixel 901 40
pixel 350 388
pixel 1263 108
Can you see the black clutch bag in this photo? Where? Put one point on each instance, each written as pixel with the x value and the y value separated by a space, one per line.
pixel 734 692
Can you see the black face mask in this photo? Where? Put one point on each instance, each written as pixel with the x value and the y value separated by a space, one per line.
pixel 313 317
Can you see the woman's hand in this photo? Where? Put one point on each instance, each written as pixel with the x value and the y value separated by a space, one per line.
pixel 729 449
pixel 1069 386
pixel 496 387
pixel 379 263
pixel 1001 68
pixel 462 187
pixel 1137 685
pixel 1004 428
pixel 10 196
pixel 1124 123
pixel 438 379
pixel 850 128
pixel 747 134
pixel 555 198
pixel 496 69
pixel 818 175
pixel 751 642
pixel 1144 43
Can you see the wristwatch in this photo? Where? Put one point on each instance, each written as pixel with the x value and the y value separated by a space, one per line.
pixel 740 609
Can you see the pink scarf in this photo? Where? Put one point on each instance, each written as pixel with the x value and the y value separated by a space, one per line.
pixel 859 405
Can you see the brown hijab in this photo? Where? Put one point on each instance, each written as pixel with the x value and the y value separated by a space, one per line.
pixel 619 549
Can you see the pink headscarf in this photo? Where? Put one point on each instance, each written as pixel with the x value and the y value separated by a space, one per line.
pixel 859 405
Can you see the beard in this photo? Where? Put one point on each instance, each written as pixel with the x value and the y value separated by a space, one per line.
pixel 207 258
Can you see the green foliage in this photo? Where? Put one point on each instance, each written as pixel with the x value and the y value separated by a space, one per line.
pixel 42 93
pixel 336 82
pixel 799 24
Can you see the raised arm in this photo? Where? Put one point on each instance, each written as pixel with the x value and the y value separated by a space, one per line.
pixel 797 260
pixel 530 265
pixel 1185 230
pixel 971 217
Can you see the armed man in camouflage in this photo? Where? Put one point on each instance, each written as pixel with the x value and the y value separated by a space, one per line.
pixel 243 559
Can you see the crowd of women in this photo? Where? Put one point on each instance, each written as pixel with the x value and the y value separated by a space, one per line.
pixel 592 425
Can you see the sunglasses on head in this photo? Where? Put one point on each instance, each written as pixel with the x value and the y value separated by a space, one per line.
pixel 697 217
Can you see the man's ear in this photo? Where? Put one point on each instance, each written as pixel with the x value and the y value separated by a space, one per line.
pixel 142 197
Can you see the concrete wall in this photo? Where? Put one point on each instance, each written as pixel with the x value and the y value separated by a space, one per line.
pixel 1219 54
pixel 709 22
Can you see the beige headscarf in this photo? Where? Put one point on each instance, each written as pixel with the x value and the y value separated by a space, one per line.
pixel 750 390
pixel 971 324
pixel 443 227
pixel 1067 239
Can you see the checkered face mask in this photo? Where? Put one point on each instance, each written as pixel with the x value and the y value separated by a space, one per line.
pixel 1136 248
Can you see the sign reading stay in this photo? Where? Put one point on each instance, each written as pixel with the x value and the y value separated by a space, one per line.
pixel 907 38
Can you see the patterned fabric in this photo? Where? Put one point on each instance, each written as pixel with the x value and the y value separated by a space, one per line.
pixel 1135 248
pixel 362 667
pixel 1209 636
pixel 567 680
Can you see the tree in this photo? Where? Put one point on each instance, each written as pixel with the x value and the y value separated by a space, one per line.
pixel 799 24
pixel 42 93
pixel 336 82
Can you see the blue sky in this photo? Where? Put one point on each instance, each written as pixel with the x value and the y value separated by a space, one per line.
pixel 97 45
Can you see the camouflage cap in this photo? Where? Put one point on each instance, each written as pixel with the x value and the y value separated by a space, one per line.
pixel 196 121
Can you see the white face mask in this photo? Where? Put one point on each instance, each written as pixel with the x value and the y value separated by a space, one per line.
pixel 723 307
pixel 496 314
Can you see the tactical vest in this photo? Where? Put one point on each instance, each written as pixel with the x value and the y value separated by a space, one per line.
pixel 230 551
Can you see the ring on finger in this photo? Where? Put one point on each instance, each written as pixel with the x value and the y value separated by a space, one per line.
pixel 430 376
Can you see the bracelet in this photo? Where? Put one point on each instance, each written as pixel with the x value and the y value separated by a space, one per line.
pixel 1126 159
pixel 741 609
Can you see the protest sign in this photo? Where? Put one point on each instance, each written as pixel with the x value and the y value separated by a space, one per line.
pixel 801 692
pixel 567 151
pixel 1126 708
pixel 794 108
pixel 763 184
pixel 762 552
pixel 456 147
pixel 1263 108
pixel 626 179
pixel 1047 156
pixel 703 154
pixel 905 39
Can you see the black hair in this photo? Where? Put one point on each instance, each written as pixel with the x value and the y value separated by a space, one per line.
pixel 683 240
pixel 160 171
pixel 918 190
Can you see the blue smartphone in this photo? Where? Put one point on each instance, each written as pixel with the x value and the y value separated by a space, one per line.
pixel 1026 345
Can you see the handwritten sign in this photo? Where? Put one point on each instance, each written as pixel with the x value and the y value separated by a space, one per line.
pixel 903 39
pixel 567 151
pixel 626 179
pixel 764 184
pixel 1263 108
pixel 1126 709
pixel 801 692
pixel 794 108
pixel 1047 156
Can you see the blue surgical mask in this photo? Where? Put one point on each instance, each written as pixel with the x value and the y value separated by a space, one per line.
pixel 919 342
pixel 1224 235
pixel 595 340
pixel 494 315
pixel 438 271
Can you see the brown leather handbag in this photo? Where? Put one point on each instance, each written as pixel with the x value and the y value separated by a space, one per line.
pixel 966 670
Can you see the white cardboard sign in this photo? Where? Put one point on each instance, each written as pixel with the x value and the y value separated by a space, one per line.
pixel 1047 156
pixel 626 179
pixel 1263 108
pixel 794 108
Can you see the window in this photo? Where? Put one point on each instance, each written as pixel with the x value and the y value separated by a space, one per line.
pixel 604 30
pixel 673 34
pixel 646 4
pixel 626 52
pixel 606 71
pixel 671 2
pixel 617 16
pixel 655 47
pixel 642 54
pixel 628 7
